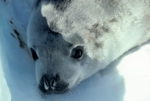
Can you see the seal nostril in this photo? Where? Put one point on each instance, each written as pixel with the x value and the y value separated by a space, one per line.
pixel 53 83
pixel 46 84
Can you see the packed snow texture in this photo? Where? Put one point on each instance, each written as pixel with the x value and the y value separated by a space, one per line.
pixel 126 79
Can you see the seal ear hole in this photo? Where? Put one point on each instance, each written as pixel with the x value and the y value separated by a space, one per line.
pixel 77 52
pixel 34 55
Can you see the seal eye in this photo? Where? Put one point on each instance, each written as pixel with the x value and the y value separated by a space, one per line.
pixel 77 52
pixel 34 55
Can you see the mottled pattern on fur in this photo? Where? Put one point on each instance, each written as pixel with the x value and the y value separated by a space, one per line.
pixel 101 19
pixel 105 28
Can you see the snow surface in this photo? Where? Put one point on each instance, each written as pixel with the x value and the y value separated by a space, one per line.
pixel 126 79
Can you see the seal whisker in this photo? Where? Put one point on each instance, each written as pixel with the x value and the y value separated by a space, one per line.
pixel 40 93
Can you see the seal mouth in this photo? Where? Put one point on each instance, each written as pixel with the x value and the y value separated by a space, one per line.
pixel 75 84
pixel 78 81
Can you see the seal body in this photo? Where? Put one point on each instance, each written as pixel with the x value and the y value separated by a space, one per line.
pixel 70 40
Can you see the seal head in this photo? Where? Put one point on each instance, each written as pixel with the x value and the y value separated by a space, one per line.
pixel 70 40
pixel 59 64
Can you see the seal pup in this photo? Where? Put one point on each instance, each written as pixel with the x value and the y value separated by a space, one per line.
pixel 70 40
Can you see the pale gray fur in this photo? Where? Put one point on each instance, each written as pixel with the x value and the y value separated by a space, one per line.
pixel 105 28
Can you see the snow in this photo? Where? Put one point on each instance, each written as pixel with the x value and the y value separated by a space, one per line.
pixel 126 79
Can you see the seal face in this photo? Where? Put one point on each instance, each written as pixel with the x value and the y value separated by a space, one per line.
pixel 70 40
pixel 58 63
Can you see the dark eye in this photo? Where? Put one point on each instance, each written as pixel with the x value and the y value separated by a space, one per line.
pixel 77 52
pixel 34 55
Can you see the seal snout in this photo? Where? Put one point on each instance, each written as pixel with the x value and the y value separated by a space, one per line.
pixel 52 84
